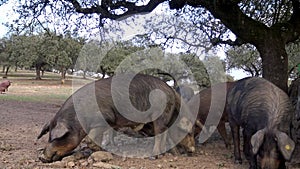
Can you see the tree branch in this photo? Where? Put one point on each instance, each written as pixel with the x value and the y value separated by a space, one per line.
pixel 107 10
pixel 237 42
pixel 292 27
pixel 233 18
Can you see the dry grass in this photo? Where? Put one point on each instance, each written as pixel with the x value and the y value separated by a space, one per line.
pixel 50 89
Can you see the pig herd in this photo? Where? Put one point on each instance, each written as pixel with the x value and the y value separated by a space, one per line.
pixel 262 110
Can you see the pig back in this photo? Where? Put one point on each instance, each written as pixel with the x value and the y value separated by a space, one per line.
pixel 256 103
pixel 114 101
pixel 204 104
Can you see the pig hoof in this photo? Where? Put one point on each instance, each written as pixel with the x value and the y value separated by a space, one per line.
pixel 44 160
pixel 153 158
pixel 190 154
pixel 238 161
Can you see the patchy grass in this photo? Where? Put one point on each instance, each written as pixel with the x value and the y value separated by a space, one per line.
pixel 50 89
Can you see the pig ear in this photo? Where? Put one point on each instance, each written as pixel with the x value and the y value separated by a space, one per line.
pixel 257 140
pixel 58 131
pixel 185 124
pixel 286 144
pixel 44 130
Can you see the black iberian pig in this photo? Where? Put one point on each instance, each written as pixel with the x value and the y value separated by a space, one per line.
pixel 79 116
pixel 264 112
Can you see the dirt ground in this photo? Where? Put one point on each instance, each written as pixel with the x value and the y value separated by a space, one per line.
pixel 21 122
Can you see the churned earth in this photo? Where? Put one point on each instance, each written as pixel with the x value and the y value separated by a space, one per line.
pixel 21 122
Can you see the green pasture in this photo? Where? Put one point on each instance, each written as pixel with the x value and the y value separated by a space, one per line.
pixel 50 89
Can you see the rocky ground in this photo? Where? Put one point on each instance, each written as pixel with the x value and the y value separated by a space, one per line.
pixel 21 122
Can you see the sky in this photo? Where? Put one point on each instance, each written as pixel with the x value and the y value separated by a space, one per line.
pixel 7 15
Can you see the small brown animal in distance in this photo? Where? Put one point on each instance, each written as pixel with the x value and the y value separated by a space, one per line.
pixel 4 86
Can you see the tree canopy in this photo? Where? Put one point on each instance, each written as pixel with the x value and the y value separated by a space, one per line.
pixel 247 58
pixel 268 25
pixel 39 50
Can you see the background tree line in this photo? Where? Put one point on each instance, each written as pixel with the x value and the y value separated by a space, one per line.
pixel 267 25
pixel 48 51
pixel 43 51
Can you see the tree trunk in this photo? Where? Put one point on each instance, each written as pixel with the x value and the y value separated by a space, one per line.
pixel 293 91
pixel 294 94
pixel 38 72
pixel 7 69
pixel 43 71
pixel 274 62
pixel 84 74
pixel 16 66
pixel 63 73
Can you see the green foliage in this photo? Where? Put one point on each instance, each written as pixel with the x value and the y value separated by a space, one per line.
pixel 293 50
pixel 110 58
pixel 244 57
pixel 90 56
pixel 215 69
pixel 197 68
pixel 247 58
pixel 39 50
pixel 115 58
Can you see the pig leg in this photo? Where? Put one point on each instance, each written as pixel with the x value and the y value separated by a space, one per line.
pixel 174 150
pixel 235 130
pixel 160 139
pixel 222 130
pixel 96 137
pixel 247 149
pixel 110 135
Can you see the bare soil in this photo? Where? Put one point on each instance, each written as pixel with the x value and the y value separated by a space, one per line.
pixel 21 122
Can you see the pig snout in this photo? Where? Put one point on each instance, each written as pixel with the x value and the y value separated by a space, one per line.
pixel 188 143
pixel 47 155
pixel 44 157
pixel 191 151
pixel 270 163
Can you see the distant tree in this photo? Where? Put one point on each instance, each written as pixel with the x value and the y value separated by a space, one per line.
pixel 5 55
pixel 268 25
pixel 244 57
pixel 38 51
pixel 118 53
pixel 198 69
pixel 216 69
pixel 13 49
pixel 247 58
pixel 293 50
pixel 63 52
pixel 90 57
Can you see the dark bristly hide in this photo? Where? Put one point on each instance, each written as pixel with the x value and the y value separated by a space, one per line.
pixel 265 113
